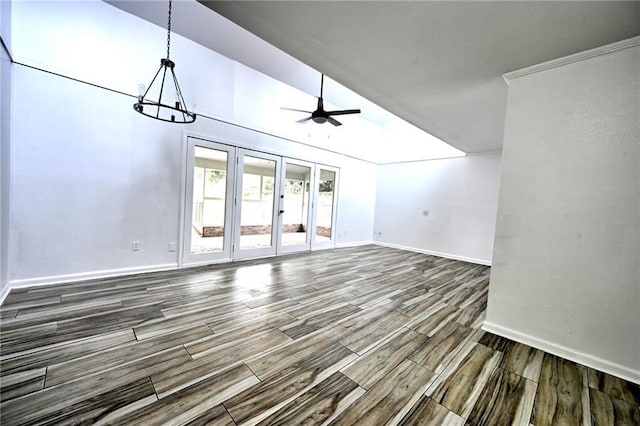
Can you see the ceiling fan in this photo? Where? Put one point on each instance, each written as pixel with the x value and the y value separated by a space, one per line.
pixel 320 115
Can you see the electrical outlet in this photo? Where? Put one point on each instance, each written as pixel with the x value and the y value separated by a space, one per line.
pixel 135 245
pixel 172 246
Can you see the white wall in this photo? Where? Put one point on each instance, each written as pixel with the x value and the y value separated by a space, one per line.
pixel 444 207
pixel 5 143
pixel 565 273
pixel 5 22
pixel 90 175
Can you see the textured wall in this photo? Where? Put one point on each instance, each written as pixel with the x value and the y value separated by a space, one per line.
pixel 565 270
pixel 446 207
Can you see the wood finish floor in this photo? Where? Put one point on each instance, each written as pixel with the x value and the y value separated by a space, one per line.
pixel 366 335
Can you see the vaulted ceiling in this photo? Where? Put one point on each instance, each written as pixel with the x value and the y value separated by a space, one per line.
pixel 436 64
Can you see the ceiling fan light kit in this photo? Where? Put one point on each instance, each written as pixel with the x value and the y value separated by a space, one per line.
pixel 321 116
pixel 172 112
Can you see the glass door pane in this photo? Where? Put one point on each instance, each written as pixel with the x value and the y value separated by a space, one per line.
pixel 255 204
pixel 294 203
pixel 209 195
pixel 325 207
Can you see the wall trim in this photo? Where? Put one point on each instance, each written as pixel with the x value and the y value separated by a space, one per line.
pixel 565 352
pixel 435 253
pixel 489 152
pixel 354 244
pixel 213 262
pixel 199 111
pixel 216 117
pixel 112 273
pixel 83 276
pixel 577 57
pixel 4 45
pixel 449 157
pixel 5 293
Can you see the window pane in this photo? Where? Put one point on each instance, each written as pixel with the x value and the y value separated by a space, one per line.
pixel 250 187
pixel 209 195
pixel 325 205
pixel 215 183
pixel 256 214
pixel 295 205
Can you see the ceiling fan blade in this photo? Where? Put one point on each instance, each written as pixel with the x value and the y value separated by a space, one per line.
pixel 294 109
pixel 344 112
pixel 334 121
pixel 320 115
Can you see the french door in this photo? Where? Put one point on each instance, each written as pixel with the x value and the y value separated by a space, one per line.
pixel 208 207
pixel 241 203
pixel 257 204
pixel 326 195
pixel 296 201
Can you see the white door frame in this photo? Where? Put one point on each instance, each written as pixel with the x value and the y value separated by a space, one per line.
pixel 231 246
pixel 238 252
pixel 193 259
pixel 331 243
pixel 306 246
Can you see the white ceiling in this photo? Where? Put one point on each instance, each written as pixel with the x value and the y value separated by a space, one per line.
pixel 436 64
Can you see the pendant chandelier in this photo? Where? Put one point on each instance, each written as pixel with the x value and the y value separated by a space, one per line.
pixel 172 111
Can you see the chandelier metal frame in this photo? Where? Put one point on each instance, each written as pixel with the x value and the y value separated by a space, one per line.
pixel 173 113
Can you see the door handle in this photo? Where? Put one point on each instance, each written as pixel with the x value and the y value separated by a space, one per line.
pixel 281 211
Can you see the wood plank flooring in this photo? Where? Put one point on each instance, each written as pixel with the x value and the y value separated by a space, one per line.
pixel 367 335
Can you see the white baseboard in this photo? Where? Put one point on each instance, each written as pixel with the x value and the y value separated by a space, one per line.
pixel 68 278
pixel 59 279
pixel 354 244
pixel 565 352
pixel 4 293
pixel 435 253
